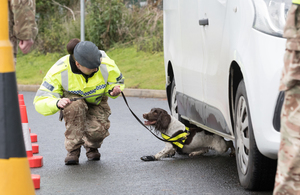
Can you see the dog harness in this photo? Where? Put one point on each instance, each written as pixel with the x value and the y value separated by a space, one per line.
pixel 179 139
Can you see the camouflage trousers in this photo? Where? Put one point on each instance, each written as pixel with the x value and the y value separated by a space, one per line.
pixel 287 179
pixel 86 124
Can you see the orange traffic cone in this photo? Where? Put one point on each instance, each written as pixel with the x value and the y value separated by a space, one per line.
pixel 14 166
pixel 33 136
pixel 21 99
pixel 34 161
pixel 36 181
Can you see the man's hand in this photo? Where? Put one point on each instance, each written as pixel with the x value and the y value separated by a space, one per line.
pixel 63 102
pixel 25 45
pixel 116 91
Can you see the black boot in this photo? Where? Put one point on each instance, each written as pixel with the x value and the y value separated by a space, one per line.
pixel 72 157
pixel 92 153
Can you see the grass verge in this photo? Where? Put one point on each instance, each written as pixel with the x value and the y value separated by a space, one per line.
pixel 142 70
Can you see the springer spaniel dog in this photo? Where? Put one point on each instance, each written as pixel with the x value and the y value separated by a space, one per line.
pixel 193 142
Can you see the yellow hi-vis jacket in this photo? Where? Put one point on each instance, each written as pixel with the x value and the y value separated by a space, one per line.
pixel 61 78
pixel 296 2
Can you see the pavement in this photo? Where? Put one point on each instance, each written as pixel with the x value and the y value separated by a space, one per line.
pixel 142 93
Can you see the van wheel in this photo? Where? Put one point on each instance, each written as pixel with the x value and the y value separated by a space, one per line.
pixel 256 172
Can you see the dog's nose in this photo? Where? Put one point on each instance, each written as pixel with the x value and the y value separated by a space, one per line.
pixel 144 115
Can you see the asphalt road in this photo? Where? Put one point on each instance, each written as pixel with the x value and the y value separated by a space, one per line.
pixel 120 170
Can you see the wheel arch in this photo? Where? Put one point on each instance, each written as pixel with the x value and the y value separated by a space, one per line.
pixel 170 77
pixel 235 77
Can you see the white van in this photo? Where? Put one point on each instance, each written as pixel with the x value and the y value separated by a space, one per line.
pixel 223 62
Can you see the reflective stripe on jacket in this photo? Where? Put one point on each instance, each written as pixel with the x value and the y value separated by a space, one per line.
pixel 61 78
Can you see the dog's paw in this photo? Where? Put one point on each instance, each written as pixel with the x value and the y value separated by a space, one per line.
pixel 170 155
pixel 232 154
pixel 191 154
pixel 197 153
pixel 148 158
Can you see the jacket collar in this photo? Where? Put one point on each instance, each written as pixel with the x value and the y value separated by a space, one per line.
pixel 75 70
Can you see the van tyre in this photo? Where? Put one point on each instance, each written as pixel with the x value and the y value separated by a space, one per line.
pixel 255 171
pixel 173 100
pixel 174 103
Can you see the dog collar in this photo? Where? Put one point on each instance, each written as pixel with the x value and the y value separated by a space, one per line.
pixel 178 140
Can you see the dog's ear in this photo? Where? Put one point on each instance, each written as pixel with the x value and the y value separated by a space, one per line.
pixel 163 121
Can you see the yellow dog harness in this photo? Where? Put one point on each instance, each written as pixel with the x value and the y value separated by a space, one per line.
pixel 179 139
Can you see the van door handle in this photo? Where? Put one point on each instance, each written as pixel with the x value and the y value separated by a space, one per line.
pixel 203 22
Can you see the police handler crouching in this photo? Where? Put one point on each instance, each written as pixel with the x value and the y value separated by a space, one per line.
pixel 86 71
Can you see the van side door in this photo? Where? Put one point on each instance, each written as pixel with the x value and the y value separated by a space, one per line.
pixel 188 66
pixel 215 77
